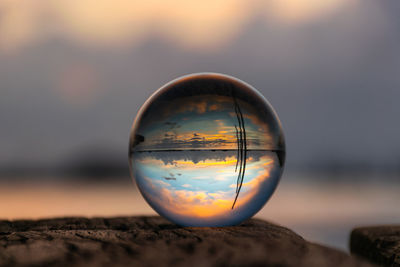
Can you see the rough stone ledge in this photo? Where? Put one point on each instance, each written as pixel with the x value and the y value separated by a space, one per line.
pixel 379 244
pixel 153 241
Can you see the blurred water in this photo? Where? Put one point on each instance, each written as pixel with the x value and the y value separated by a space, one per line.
pixel 326 212
pixel 318 211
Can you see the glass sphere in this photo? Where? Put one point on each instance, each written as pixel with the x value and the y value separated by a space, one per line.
pixel 206 150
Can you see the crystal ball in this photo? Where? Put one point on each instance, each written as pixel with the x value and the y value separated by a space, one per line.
pixel 206 150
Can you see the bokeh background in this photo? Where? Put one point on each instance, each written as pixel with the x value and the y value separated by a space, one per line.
pixel 73 74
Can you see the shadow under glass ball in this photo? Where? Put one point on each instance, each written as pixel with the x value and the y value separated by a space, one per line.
pixel 206 150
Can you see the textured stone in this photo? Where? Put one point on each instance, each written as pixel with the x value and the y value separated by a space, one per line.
pixel 153 241
pixel 380 244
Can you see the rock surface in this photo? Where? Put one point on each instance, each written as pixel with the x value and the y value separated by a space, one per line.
pixel 380 244
pixel 153 241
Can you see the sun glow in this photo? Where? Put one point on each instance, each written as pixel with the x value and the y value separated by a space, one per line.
pixel 191 24
pixel 209 163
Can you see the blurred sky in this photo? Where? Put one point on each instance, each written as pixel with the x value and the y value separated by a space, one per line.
pixel 74 73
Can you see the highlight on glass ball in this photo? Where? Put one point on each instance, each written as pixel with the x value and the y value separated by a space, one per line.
pixel 206 150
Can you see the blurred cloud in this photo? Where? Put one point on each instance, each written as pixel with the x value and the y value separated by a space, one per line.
pixel 77 84
pixel 302 11
pixel 73 74
pixel 205 24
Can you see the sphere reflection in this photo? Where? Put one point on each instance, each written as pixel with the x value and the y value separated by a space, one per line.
pixel 206 150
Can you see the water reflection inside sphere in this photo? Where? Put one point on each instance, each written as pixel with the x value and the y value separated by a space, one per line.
pixel 206 150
